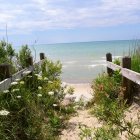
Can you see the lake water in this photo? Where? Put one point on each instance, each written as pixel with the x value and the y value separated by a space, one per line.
pixel 83 61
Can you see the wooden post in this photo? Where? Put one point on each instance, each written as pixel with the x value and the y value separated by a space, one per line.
pixel 29 61
pixel 43 65
pixel 109 58
pixel 42 56
pixel 126 83
pixel 5 71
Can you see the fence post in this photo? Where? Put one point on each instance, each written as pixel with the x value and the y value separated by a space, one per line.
pixel 126 83
pixel 43 65
pixel 42 56
pixel 5 71
pixel 29 61
pixel 109 58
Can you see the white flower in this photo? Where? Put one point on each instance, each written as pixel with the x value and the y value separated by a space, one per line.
pixel 4 112
pixel 50 82
pixel 14 90
pixel 39 77
pixel 29 76
pixel 54 105
pixel 39 95
pixel 17 80
pixel 18 97
pixel 45 78
pixel 51 93
pixel 22 82
pixel 27 72
pixel 40 87
pixel 14 83
pixel 5 91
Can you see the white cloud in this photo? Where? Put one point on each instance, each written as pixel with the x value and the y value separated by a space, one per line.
pixel 35 15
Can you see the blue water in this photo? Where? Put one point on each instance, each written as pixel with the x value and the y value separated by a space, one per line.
pixel 83 61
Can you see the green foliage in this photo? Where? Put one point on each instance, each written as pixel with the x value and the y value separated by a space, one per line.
pixel 34 106
pixel 24 53
pixel 105 86
pixel 135 55
pixel 102 133
pixel 117 61
pixel 10 51
pixel 70 90
pixel 109 107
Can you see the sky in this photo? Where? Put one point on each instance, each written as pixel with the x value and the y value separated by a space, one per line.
pixel 60 21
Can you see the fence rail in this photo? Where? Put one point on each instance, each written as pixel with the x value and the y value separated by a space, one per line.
pixel 6 83
pixel 129 74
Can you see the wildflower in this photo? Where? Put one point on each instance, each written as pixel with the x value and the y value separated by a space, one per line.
pixel 14 83
pixel 40 87
pixel 50 82
pixel 14 90
pixel 39 77
pixel 4 113
pixel 22 82
pixel 39 95
pixel 54 105
pixel 5 91
pixel 18 97
pixel 26 72
pixel 17 80
pixel 51 93
pixel 29 76
pixel 45 78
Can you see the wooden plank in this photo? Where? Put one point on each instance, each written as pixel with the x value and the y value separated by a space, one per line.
pixel 131 75
pixel 113 66
pixel 5 84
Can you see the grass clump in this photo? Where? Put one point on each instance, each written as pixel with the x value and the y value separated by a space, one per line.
pixel 109 107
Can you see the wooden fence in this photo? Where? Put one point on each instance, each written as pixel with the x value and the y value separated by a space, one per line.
pixel 128 76
pixel 8 79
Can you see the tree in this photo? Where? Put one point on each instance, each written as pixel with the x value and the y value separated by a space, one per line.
pixel 10 51
pixel 24 53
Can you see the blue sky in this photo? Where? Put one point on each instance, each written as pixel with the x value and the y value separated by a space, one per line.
pixel 55 21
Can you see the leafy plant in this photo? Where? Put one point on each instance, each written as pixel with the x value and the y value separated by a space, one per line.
pixel 24 53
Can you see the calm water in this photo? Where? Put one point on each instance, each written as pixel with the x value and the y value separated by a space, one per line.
pixel 82 62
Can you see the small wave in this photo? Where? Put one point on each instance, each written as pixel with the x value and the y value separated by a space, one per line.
pixel 70 62
pixel 98 61
pixel 64 66
pixel 92 66
pixel 96 65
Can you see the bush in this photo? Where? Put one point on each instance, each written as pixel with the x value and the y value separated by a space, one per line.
pixel 31 109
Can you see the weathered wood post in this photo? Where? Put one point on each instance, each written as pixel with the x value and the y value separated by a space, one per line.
pixel 5 71
pixel 29 61
pixel 43 65
pixel 109 58
pixel 126 83
pixel 42 56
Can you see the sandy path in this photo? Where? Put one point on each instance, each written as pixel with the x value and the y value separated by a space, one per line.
pixel 83 118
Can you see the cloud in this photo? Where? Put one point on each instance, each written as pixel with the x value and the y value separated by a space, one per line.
pixel 37 15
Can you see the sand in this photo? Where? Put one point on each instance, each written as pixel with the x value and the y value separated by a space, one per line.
pixel 81 90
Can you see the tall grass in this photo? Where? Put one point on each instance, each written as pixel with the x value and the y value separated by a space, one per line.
pixel 135 56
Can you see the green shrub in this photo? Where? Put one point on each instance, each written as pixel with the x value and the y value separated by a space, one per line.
pixel 34 106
